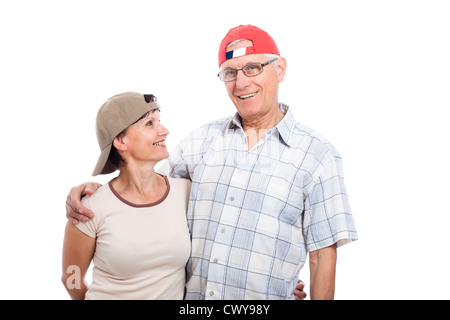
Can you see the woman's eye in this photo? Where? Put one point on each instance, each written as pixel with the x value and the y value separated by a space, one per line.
pixel 150 123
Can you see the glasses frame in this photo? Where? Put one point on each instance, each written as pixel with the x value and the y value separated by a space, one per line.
pixel 242 69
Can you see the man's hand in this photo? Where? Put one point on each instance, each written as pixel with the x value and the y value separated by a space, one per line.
pixel 75 212
pixel 298 292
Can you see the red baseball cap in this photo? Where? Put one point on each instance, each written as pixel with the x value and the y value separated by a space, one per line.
pixel 262 43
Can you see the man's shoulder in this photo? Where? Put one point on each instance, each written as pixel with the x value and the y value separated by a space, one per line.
pixel 300 136
pixel 316 141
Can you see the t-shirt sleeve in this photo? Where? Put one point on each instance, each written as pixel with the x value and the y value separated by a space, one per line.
pixel 327 218
pixel 90 227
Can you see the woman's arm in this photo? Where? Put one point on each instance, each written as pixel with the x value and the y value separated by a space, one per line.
pixel 78 251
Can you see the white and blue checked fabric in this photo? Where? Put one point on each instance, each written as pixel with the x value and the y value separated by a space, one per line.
pixel 254 215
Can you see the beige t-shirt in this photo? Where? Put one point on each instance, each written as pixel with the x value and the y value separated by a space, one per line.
pixel 141 250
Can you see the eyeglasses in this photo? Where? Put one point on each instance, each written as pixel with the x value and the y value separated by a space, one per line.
pixel 249 70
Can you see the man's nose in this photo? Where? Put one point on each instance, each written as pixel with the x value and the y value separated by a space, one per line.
pixel 242 81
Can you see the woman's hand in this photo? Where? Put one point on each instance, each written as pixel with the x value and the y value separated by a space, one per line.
pixel 298 292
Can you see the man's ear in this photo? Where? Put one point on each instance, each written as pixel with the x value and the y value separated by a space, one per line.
pixel 120 144
pixel 281 68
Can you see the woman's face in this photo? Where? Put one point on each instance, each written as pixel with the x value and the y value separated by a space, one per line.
pixel 144 141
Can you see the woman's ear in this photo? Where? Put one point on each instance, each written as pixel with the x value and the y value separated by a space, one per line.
pixel 120 144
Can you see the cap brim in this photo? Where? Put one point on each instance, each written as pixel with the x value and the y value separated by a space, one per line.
pixel 103 166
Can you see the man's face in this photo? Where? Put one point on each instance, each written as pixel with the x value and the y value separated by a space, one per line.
pixel 257 96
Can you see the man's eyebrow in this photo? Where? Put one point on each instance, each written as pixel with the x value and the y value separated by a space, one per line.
pixel 245 65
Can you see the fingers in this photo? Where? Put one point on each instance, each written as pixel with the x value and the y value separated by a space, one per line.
pixel 298 292
pixel 77 214
pixel 299 295
pixel 72 220
pixel 75 211
pixel 300 285
pixel 90 188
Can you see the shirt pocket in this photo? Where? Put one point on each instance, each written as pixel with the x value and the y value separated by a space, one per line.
pixel 284 201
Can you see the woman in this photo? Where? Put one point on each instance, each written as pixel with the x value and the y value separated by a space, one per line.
pixel 139 239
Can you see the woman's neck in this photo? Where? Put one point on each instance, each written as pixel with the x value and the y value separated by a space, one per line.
pixel 140 185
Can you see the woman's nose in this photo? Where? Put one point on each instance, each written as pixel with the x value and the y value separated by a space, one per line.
pixel 163 130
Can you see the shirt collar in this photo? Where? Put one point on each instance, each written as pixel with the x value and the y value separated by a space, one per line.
pixel 284 127
pixel 236 121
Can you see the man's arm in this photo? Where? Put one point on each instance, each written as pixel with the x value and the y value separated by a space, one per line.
pixel 322 265
pixel 75 211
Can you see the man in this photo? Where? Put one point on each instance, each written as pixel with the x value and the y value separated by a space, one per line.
pixel 266 190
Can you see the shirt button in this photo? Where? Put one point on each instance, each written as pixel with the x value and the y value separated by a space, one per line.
pixel 211 293
pixel 232 198
pixel 223 230
pixel 215 260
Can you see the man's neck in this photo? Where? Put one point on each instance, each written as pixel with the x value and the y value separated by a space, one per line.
pixel 255 129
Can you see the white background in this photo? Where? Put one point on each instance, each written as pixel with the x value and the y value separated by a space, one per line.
pixel 371 76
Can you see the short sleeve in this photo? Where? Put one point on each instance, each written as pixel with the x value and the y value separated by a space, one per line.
pixel 328 218
pixel 175 166
pixel 90 227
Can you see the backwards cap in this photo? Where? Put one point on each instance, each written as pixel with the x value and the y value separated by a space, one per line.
pixel 115 115
pixel 262 43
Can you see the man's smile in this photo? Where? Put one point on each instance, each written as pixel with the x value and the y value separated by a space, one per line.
pixel 248 96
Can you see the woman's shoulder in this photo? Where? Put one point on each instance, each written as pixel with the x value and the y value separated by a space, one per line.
pixel 99 197
pixel 179 182
pixel 179 185
pixel 98 203
pixel 180 190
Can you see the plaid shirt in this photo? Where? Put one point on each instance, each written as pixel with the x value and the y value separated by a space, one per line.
pixel 254 215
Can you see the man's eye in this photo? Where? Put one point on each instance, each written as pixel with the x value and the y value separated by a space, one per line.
pixel 229 73
pixel 149 123
pixel 253 69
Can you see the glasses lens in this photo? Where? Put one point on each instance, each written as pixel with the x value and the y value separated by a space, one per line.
pixel 227 75
pixel 253 69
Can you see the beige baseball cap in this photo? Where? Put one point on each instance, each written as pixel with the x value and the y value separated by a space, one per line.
pixel 114 116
